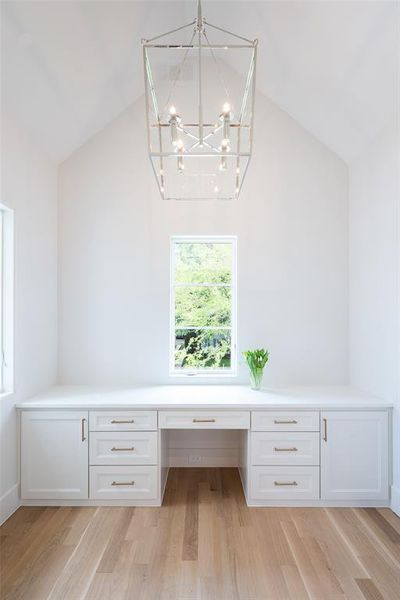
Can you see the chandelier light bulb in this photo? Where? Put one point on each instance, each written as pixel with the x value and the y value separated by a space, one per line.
pixel 224 148
pixel 216 189
pixel 226 121
pixel 179 146
pixel 173 122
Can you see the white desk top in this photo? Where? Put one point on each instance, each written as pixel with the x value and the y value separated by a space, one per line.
pixel 230 397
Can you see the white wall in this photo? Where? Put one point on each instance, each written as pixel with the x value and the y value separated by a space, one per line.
pixel 374 277
pixel 29 186
pixel 291 222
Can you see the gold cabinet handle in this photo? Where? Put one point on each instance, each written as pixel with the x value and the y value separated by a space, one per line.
pixel 203 420
pixel 123 483
pixel 285 483
pixel 325 422
pixel 114 421
pixel 290 422
pixel 286 449
pixel 114 449
pixel 83 430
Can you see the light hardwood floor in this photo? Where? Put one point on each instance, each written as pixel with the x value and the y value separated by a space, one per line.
pixel 203 543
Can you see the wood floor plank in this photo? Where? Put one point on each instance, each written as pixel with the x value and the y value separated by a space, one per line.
pixel 204 543
pixel 378 563
pixel 191 535
pixel 383 524
pixel 369 589
pixel 38 557
pixel 391 517
pixel 80 569
pixel 116 542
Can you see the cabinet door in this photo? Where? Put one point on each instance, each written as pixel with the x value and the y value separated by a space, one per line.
pixel 354 455
pixel 54 455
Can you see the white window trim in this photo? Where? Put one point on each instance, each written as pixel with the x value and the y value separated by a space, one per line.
pixel 204 373
pixel 7 304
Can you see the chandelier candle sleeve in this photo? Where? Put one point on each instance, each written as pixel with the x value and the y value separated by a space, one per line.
pixel 189 150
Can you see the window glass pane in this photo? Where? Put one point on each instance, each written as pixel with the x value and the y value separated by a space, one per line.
pixel 203 263
pixel 202 306
pixel 208 349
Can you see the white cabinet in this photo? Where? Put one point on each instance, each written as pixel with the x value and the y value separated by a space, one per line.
pixel 54 454
pixel 354 455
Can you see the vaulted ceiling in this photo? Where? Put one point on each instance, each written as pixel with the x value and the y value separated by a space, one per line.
pixel 69 68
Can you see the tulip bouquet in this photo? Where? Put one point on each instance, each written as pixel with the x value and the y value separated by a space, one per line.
pixel 256 361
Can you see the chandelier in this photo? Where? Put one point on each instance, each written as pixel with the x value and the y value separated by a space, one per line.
pixel 199 108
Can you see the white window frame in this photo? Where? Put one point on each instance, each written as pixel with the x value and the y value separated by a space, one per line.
pixel 6 300
pixel 206 239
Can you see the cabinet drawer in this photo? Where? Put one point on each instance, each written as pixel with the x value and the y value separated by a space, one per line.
pixel 120 483
pixel 284 483
pixel 190 419
pixel 128 420
pixel 123 448
pixel 284 448
pixel 285 420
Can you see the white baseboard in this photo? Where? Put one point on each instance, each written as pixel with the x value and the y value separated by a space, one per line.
pixel 9 503
pixel 395 503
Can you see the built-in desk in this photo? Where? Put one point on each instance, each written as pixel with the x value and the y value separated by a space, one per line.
pixel 298 446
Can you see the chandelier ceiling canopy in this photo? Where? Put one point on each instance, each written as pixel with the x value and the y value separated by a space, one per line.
pixel 199 87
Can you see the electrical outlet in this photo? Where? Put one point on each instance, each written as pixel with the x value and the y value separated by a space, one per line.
pixel 194 459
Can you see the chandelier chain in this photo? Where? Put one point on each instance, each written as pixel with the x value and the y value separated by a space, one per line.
pixel 179 72
pixel 219 72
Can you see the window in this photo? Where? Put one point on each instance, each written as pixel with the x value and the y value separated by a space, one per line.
pixel 6 298
pixel 203 306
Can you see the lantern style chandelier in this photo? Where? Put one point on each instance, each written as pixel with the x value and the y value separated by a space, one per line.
pixel 199 107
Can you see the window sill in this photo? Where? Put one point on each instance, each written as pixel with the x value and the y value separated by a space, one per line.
pixel 178 375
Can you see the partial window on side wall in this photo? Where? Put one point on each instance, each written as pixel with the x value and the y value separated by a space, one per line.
pixel 6 299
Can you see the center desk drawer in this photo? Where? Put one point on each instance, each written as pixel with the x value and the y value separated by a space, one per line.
pixel 127 420
pixel 123 448
pixel 285 420
pixel 190 419
pixel 284 448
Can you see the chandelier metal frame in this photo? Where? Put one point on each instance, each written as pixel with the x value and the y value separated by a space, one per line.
pixel 200 133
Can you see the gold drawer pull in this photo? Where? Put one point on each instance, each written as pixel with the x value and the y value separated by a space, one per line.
pixel 123 483
pixel 114 421
pixel 286 449
pixel 285 483
pixel 203 420
pixel 325 438
pixel 83 437
pixel 123 449
pixel 291 422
